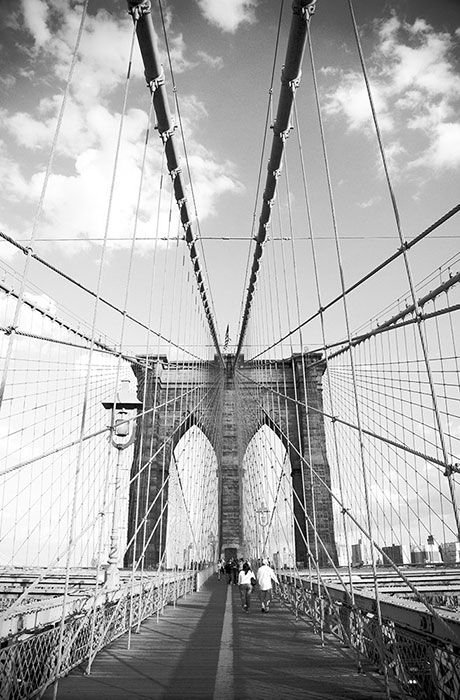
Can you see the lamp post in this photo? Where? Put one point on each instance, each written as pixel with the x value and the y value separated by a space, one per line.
pixel 262 514
pixel 122 435
pixel 212 543
pixel 189 556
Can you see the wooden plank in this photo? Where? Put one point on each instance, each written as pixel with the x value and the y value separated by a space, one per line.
pixel 178 657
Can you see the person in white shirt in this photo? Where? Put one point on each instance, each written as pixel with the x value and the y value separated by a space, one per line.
pixel 265 577
pixel 245 585
pixel 220 567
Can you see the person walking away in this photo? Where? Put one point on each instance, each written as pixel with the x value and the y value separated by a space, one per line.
pixel 265 577
pixel 228 570
pixel 235 570
pixel 220 567
pixel 245 578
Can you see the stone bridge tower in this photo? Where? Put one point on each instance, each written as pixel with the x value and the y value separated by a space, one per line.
pixel 180 395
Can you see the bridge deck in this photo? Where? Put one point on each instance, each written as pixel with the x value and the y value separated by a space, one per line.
pixel 207 647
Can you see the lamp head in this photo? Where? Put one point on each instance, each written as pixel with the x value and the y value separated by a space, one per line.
pixel 125 399
pixel 125 402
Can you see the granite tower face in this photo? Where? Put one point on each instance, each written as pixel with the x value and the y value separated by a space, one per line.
pixel 230 404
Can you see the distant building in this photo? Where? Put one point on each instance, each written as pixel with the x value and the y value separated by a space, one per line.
pixel 358 554
pixel 433 554
pixel 451 552
pixel 417 556
pixel 395 553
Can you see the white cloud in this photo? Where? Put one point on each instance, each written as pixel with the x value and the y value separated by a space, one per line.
pixel 35 18
pixel 350 99
pixel 434 114
pixel 215 62
pixel 416 90
pixel 329 70
pixel 395 152
pixel 444 151
pixel 77 204
pixel 14 184
pixel 230 14
pixel 177 48
pixel 42 302
pixel 104 51
pixel 369 202
pixel 27 130
pixel 7 81
pixel 211 179
pixel 76 200
pixel 7 251
pixel 193 111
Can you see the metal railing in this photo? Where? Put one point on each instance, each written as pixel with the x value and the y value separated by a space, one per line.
pixel 28 659
pixel 420 653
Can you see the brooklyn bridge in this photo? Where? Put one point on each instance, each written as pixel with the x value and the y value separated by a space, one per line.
pixel 182 393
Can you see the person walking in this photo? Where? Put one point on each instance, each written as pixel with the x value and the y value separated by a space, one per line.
pixel 265 577
pixel 220 567
pixel 245 581
pixel 228 570
pixel 235 570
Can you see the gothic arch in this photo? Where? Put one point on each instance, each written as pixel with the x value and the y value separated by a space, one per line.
pixel 191 525
pixel 267 498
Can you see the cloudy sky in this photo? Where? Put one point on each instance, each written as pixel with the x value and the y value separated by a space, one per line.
pixel 222 55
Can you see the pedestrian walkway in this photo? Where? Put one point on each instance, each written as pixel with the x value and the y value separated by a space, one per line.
pixel 207 647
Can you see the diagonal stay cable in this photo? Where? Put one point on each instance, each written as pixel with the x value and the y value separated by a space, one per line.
pixel 370 433
pixel 420 595
pixel 87 436
pixel 94 294
pixel 38 213
pixel 391 258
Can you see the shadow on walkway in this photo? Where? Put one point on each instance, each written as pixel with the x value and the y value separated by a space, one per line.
pixel 274 657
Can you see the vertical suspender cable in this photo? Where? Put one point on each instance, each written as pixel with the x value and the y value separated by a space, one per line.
pixel 264 140
pixel 352 364
pixel 38 212
pixel 89 365
pixel 417 309
pixel 302 10
pixel 141 13
pixel 181 127
pixel 323 337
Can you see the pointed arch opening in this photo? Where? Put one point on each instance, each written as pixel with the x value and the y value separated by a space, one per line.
pixel 192 523
pixel 267 500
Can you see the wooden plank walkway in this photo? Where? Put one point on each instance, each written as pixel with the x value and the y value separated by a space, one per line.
pixel 207 647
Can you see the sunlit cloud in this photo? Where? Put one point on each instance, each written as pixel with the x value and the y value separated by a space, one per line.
pixel 35 19
pixel 369 202
pixel 228 16
pixel 41 301
pixel 76 204
pixel 351 100
pixel 178 49
pixel 7 82
pixel 211 179
pixel 215 62
pixel 415 88
pixel 444 151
